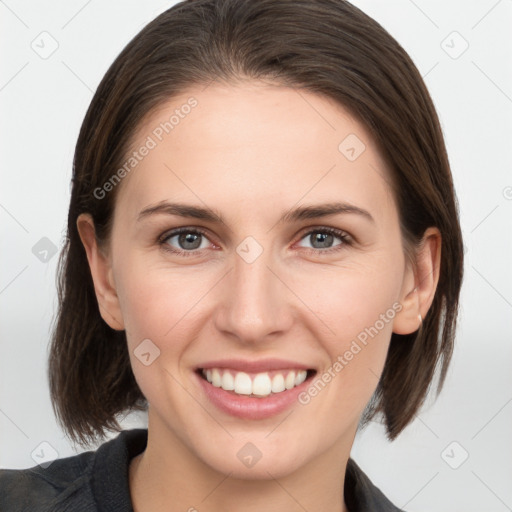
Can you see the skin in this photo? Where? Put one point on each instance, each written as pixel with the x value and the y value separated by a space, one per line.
pixel 252 151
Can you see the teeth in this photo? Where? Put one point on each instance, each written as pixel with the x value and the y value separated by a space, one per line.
pixel 278 383
pixel 300 378
pixel 289 382
pixel 216 378
pixel 261 385
pixel 228 383
pixel 243 384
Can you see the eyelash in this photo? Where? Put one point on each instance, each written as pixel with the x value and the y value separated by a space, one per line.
pixel 342 235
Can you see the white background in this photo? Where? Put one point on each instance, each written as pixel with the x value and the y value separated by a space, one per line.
pixel 43 103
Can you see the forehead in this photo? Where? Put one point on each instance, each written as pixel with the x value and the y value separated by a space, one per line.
pixel 254 143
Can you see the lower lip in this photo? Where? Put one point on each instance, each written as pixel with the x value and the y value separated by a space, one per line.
pixel 251 408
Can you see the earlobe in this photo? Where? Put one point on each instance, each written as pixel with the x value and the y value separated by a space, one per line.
pixel 420 284
pixel 101 272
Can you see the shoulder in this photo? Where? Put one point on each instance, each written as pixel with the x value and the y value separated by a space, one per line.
pixel 43 489
pixel 361 495
pixel 84 482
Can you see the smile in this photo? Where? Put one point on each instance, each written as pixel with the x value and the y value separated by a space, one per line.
pixel 253 389
pixel 261 384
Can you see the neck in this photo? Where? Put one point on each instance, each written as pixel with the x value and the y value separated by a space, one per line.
pixel 168 477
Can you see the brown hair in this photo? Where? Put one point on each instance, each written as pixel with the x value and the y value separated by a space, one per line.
pixel 328 47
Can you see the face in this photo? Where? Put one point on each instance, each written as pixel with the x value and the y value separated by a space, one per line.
pixel 298 268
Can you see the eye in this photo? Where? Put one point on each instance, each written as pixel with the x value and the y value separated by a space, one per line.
pixel 322 239
pixel 189 241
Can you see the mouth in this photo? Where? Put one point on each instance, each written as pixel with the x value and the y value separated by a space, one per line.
pixel 261 384
pixel 253 389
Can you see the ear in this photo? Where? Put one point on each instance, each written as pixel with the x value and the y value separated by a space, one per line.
pixel 102 275
pixel 420 283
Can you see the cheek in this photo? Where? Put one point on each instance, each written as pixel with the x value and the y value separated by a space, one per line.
pixel 356 355
pixel 155 303
pixel 159 305
pixel 350 299
pixel 344 300
pixel 354 308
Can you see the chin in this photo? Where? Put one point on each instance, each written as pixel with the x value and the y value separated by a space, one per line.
pixel 255 457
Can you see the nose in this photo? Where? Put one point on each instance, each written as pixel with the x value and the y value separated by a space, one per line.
pixel 255 306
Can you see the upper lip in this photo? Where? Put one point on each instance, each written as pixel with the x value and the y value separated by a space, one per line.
pixel 261 365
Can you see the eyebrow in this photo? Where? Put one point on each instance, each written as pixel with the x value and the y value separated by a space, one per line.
pixel 297 214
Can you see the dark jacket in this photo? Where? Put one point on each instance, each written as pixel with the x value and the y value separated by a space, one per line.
pixel 98 481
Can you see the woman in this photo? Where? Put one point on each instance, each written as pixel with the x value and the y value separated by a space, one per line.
pixel 263 251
